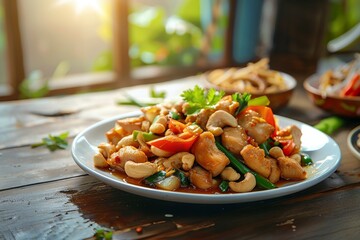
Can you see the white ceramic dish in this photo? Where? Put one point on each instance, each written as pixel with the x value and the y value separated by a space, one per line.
pixel 324 151
pixel 353 137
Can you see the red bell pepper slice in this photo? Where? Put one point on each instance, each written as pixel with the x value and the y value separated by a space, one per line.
pixel 174 143
pixel 266 113
pixel 353 87
pixel 287 146
pixel 175 126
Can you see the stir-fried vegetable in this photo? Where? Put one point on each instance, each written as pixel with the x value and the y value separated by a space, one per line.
pixel 260 180
pixel 306 159
pixel 157 177
pixel 147 136
pixel 353 87
pixel 224 186
pixel 173 143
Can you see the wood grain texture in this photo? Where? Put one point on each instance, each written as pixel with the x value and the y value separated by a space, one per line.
pixel 74 208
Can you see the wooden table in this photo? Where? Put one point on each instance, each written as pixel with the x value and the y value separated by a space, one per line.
pixel 45 195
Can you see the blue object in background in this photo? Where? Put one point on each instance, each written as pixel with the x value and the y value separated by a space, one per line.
pixel 246 29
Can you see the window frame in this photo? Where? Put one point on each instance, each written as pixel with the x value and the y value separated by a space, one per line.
pixel 123 74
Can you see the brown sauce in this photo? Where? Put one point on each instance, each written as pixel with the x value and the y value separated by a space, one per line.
pixel 190 189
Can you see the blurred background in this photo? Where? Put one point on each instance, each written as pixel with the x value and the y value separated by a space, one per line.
pixel 53 47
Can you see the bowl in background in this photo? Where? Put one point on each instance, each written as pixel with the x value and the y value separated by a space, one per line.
pixel 278 99
pixel 338 105
pixel 352 141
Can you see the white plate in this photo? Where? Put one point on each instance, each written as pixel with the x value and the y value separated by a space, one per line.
pixel 353 136
pixel 324 151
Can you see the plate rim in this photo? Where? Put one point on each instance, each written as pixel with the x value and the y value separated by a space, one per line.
pixel 196 197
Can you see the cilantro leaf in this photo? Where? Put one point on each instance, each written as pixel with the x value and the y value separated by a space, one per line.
pixel 53 142
pixel 198 99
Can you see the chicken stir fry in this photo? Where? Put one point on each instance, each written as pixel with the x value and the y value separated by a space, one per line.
pixel 208 141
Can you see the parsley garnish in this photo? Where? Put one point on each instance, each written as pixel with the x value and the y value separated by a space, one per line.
pixel 53 142
pixel 199 99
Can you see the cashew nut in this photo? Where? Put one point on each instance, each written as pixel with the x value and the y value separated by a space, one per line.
pixel 230 174
pixel 140 170
pixel 160 153
pixel 184 160
pixel 276 152
pixel 188 161
pixel 100 161
pixel 127 141
pixel 106 149
pixel 130 153
pixel 159 125
pixel 218 120
pixel 245 185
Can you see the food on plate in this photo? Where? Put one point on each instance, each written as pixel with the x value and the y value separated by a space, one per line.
pixel 255 78
pixel 343 81
pixel 208 143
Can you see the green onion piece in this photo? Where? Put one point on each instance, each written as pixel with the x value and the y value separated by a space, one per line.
pixel 224 186
pixel 306 159
pixel 174 115
pixel 242 99
pixel 156 177
pixel 266 147
pixel 184 180
pixel 259 101
pixel 147 136
pixel 260 180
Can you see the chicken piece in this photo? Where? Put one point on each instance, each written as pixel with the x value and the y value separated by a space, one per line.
pixel 255 126
pixel 200 119
pixel 150 112
pixel 200 178
pixel 234 139
pixel 227 104
pixel 254 158
pixel 128 125
pixel 113 137
pixel 275 171
pixel 291 132
pixel 208 155
pixel 290 169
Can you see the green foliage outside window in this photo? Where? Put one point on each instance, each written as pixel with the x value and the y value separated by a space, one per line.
pixel 158 39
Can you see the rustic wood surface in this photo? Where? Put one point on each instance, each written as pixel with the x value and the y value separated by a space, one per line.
pixel 45 195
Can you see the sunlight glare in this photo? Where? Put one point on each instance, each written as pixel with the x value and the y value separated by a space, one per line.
pixel 82 5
